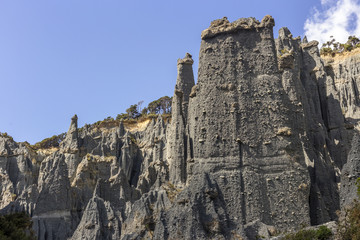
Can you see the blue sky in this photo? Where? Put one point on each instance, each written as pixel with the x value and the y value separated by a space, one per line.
pixel 96 58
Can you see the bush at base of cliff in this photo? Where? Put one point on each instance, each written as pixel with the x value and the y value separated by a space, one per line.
pixel 349 220
pixel 322 233
pixel 16 226
pixel 349 224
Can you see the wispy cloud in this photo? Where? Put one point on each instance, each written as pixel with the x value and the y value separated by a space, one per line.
pixel 337 18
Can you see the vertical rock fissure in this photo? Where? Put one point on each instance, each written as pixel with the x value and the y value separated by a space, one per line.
pixel 183 161
pixel 242 185
pixel 356 91
pixel 241 165
pixel 323 108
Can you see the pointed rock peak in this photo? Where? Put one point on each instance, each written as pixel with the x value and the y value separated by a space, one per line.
pixel 97 189
pixel 311 44
pixel 268 21
pixel 71 142
pixel 305 40
pixel 74 123
pixel 284 32
pixel 185 78
pixel 121 128
pixel 186 60
pixel 74 118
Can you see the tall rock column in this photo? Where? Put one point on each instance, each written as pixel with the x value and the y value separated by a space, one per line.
pixel 71 141
pixel 242 126
pixel 177 140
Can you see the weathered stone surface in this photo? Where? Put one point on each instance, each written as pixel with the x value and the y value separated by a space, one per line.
pixel 98 221
pixel 266 140
pixel 71 141
pixel 223 26
pixel 178 138
pixel 239 108
pixel 350 173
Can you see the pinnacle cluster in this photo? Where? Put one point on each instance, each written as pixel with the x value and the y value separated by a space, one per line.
pixel 266 140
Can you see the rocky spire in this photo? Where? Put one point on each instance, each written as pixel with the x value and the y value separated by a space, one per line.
pixel 305 40
pixel 74 126
pixel 185 78
pixel 177 136
pixel 71 141
pixel 233 119
pixel 185 81
pixel 121 128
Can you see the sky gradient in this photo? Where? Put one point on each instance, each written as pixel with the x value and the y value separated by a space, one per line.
pixel 96 58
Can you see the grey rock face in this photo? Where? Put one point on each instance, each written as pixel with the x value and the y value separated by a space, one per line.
pixel 344 75
pixel 242 130
pixel 98 222
pixel 178 137
pixel 71 141
pixel 350 173
pixel 267 139
pixel 321 120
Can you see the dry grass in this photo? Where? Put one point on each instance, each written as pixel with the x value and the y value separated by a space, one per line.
pixel 341 56
pixel 137 126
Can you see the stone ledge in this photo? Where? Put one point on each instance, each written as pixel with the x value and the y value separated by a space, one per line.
pixel 223 25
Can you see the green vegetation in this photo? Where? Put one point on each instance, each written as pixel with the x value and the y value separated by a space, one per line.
pixel 322 233
pixel 6 135
pixel 16 226
pixel 349 221
pixel 159 106
pixel 348 225
pixel 331 48
pixel 284 51
pixel 134 114
pixel 51 142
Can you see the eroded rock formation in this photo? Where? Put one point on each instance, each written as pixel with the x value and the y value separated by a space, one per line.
pixel 267 139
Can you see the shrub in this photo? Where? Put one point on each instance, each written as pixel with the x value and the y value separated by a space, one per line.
pixel 122 116
pixel 16 226
pixel 53 141
pixel 322 233
pixel 348 47
pixel 349 220
pixel 326 51
pixel 6 135
pixel 332 48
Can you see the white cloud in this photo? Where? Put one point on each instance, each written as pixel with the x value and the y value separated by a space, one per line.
pixel 340 19
pixel 324 2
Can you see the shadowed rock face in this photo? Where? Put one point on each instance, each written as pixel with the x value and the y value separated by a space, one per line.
pixel 265 140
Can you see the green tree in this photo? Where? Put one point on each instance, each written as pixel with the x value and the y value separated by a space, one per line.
pixel 16 226
pixel 132 111
pixel 165 104
pixel 154 107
